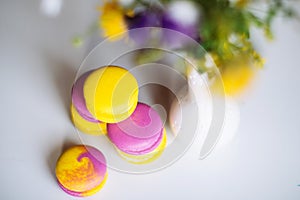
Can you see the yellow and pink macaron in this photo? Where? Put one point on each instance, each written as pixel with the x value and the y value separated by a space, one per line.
pixel 81 171
pixel 141 138
pixel 111 94
pixel 104 95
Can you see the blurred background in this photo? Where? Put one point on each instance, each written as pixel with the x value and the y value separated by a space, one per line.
pixel 39 64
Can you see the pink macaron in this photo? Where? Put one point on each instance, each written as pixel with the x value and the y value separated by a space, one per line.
pixel 78 98
pixel 139 134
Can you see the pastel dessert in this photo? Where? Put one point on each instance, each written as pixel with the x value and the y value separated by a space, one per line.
pixel 81 117
pixel 78 98
pixel 148 157
pixel 86 126
pixel 140 137
pixel 110 93
pixel 81 171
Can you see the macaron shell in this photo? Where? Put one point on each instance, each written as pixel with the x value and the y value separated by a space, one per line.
pixel 81 169
pixel 86 193
pixel 146 158
pixel 124 135
pixel 134 146
pixel 111 94
pixel 143 123
pixel 78 98
pixel 98 128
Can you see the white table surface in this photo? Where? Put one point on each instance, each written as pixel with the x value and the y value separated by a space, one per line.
pixel 37 67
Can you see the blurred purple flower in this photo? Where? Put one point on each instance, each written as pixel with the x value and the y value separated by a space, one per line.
pixel 190 30
pixel 143 19
pixel 180 16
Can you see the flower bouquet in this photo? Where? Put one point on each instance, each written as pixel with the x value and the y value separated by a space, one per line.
pixel 221 27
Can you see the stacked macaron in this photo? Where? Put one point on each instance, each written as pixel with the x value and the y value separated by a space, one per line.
pixel 105 101
pixel 141 138
pixel 81 116
pixel 105 95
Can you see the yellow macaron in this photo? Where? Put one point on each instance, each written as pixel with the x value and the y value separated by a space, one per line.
pixel 85 125
pixel 111 94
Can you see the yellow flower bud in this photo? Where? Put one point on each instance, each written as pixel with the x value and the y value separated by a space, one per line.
pixel 112 21
pixel 236 76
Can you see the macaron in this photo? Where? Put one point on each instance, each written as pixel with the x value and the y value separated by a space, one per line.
pixel 140 134
pixel 81 117
pixel 86 126
pixel 110 93
pixel 148 157
pixel 78 98
pixel 81 171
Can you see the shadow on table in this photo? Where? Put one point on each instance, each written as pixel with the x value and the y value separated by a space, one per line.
pixel 63 75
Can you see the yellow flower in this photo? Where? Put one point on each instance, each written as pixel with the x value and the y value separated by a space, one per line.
pixel 112 21
pixel 242 3
pixel 236 76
